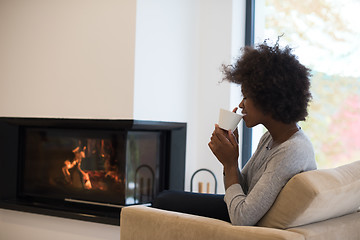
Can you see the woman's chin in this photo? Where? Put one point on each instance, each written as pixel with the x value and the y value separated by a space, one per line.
pixel 248 124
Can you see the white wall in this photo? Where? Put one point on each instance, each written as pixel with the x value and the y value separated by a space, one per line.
pixel 180 46
pixel 67 58
pixel 81 59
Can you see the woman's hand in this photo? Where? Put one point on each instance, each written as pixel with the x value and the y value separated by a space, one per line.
pixel 224 145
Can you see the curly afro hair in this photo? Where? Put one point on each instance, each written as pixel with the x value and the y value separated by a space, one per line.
pixel 274 79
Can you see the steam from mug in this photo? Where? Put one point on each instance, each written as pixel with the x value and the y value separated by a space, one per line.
pixel 229 120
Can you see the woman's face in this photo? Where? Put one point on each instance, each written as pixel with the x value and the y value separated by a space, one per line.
pixel 253 115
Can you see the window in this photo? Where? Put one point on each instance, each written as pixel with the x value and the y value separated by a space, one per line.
pixel 325 36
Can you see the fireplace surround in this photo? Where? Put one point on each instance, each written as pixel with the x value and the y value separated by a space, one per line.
pixel 88 169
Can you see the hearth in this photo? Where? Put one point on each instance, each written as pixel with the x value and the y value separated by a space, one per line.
pixel 88 169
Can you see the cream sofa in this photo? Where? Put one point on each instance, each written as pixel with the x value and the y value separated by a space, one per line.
pixel 320 204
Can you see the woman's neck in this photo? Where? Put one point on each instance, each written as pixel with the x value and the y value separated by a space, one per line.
pixel 280 132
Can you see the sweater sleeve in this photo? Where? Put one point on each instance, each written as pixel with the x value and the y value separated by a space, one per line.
pixel 284 163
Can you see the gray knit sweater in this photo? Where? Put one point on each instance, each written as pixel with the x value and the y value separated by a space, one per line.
pixel 265 174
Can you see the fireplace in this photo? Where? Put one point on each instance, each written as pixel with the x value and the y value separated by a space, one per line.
pixel 88 169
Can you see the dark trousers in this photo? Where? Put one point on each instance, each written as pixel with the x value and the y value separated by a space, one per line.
pixel 206 205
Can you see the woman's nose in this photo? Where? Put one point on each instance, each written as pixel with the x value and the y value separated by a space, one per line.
pixel 241 104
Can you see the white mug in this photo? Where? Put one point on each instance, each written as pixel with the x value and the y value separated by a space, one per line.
pixel 229 120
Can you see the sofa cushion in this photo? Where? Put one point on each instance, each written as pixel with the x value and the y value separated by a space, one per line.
pixel 345 227
pixel 316 196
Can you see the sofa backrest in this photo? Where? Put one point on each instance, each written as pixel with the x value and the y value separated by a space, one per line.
pixel 316 196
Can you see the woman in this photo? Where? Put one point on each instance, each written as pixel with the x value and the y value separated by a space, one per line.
pixel 275 88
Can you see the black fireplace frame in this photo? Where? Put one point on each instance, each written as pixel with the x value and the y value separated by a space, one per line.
pixel 172 171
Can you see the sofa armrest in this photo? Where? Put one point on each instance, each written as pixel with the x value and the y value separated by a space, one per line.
pixel 146 223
